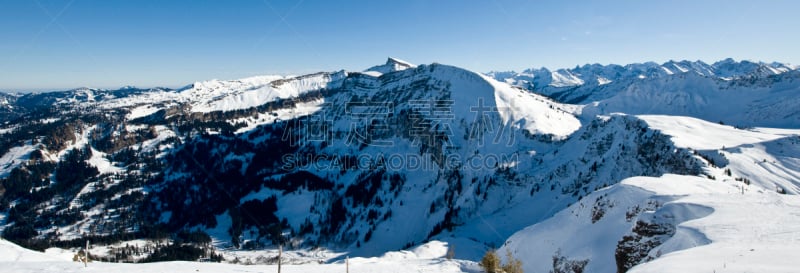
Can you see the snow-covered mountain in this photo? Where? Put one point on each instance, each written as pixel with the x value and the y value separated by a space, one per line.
pixel 391 65
pixel 762 101
pixel 7 102
pixel 595 82
pixel 365 163
pixel 597 74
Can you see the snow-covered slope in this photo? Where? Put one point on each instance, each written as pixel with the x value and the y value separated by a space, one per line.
pixel 703 226
pixel 767 158
pixel 752 232
pixel 216 95
pixel 247 93
pixel 14 157
pixel 764 102
pixel 424 258
pixel 738 206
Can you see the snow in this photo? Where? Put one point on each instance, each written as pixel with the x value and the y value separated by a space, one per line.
pixel 400 62
pixel 81 140
pixel 516 107
pixel 603 81
pixel 14 157
pixel 49 120
pixel 425 258
pixel 219 95
pixel 102 163
pixel 532 112
pixel 768 157
pixel 391 65
pixel 751 232
pixel 582 83
pixel 164 134
pixel 777 131
pixel 300 110
pixel 740 103
pixel 243 94
pixel 719 219
pixel 373 73
pixel 11 254
pixel 6 130
pixel 698 134
pixel 564 78
pixel 142 111
pixel 681 69
pixel 757 231
pixel 295 204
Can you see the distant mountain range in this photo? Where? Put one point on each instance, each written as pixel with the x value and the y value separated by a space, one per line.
pixel 739 93
pixel 593 75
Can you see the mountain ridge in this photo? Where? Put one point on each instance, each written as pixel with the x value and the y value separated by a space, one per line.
pixel 590 73
pixel 369 162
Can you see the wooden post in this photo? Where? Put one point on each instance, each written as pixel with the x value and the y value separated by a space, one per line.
pixel 86 255
pixel 280 253
pixel 347 264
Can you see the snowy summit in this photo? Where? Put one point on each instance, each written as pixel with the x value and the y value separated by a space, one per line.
pixel 391 65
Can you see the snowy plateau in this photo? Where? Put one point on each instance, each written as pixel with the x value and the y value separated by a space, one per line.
pixel 676 167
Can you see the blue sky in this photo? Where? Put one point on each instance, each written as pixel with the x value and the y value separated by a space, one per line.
pixel 64 44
